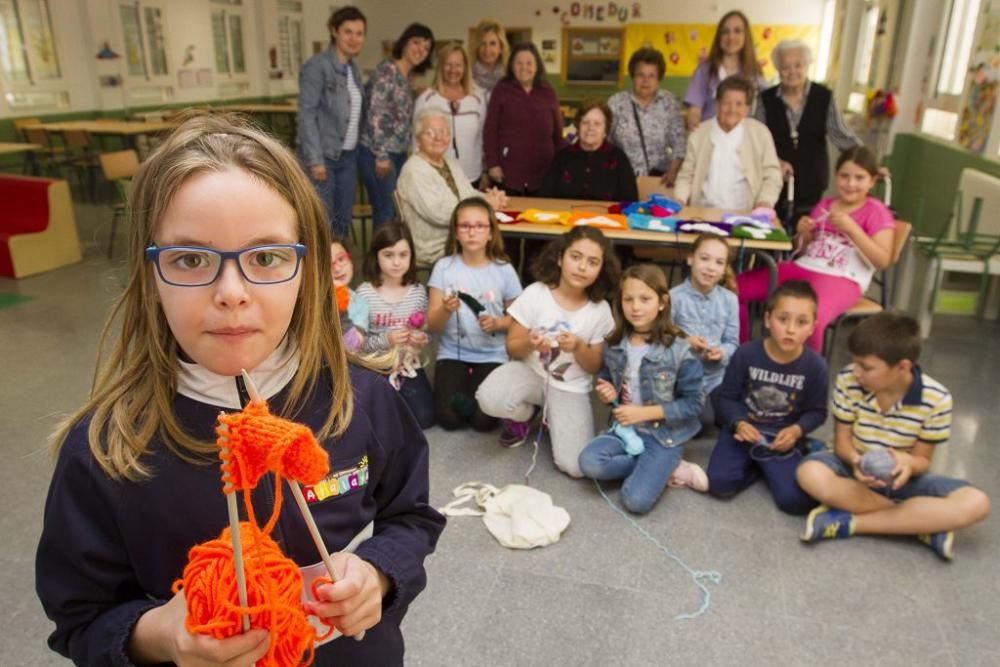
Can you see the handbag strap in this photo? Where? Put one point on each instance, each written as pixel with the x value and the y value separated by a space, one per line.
pixel 642 139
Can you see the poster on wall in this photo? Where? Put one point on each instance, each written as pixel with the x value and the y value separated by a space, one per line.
pixel 685 45
pixel 981 98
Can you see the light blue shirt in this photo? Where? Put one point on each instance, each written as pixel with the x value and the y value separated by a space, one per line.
pixel 492 285
pixel 715 317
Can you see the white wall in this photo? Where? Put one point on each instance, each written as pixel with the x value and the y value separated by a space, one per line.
pixel 452 19
pixel 82 27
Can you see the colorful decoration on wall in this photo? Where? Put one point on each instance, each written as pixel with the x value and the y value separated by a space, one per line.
pixel 686 44
pixel 977 115
pixel 600 11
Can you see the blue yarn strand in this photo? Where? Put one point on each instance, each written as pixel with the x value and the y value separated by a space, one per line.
pixel 697 576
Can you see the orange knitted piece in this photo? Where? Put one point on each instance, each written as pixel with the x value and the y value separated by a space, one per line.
pixel 252 442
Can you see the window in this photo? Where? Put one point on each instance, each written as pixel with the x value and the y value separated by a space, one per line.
pixel 827 23
pixel 145 41
pixel 940 118
pixel 27 46
pixel 290 37
pixel 957 47
pixel 227 33
pixel 863 65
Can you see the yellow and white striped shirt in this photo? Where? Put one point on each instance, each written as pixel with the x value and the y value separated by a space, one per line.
pixel 923 414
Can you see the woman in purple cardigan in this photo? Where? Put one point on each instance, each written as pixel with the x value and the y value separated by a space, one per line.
pixel 523 124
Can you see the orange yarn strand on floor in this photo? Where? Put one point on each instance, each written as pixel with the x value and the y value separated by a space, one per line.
pixel 252 443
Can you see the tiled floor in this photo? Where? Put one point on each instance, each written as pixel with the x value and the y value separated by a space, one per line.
pixel 604 594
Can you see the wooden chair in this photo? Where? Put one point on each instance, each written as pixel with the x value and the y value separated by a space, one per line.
pixel 866 307
pixel 19 124
pixel 47 155
pixel 118 167
pixel 79 155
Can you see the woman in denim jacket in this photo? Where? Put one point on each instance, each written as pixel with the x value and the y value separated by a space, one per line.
pixel 331 99
pixel 653 383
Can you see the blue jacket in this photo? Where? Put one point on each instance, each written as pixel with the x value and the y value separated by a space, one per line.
pixel 325 106
pixel 668 376
pixel 110 550
pixel 714 316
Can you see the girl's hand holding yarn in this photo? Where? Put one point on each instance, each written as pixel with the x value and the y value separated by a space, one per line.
pixel 488 323
pixel 354 602
pixel 698 344
pixel 567 342
pixel 605 391
pixel 450 301
pixel 418 338
pixel 712 354
pixel 540 342
pixel 398 337
pixel 161 636
pixel 628 415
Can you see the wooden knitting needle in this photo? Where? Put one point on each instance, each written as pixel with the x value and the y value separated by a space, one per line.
pixel 300 500
pixel 234 529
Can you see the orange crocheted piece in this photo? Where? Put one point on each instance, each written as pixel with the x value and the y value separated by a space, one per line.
pixel 253 442
pixel 343 297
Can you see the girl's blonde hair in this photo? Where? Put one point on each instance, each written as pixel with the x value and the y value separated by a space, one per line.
pixel 485 27
pixel 133 391
pixel 443 52
pixel 729 277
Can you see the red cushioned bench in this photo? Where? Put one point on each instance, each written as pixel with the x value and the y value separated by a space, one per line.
pixel 37 227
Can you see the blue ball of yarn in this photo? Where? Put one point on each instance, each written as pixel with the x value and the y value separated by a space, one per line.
pixel 878 463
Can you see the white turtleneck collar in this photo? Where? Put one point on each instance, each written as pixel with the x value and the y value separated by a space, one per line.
pixel 200 384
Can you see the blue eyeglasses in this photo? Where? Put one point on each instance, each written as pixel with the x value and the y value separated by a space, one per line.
pixel 191 266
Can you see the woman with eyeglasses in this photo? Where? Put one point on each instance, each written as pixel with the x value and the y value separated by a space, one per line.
pixel 591 167
pixel 454 94
pixel 432 183
pixel 802 115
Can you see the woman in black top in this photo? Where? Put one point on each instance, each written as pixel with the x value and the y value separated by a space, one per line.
pixel 591 167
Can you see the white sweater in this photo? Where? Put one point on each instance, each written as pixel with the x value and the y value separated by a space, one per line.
pixel 428 203
pixel 466 127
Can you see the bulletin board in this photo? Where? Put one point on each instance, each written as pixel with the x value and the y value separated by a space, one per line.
pixel 684 45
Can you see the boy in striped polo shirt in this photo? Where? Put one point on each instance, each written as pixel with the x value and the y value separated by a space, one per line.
pixel 884 400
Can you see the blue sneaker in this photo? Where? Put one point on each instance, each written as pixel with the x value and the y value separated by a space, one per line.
pixel 826 523
pixel 943 544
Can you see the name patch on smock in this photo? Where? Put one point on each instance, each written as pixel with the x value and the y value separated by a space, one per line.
pixel 338 483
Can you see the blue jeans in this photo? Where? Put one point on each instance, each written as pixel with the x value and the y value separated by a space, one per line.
pixel 417 394
pixel 645 475
pixel 337 191
pixel 732 468
pixel 380 189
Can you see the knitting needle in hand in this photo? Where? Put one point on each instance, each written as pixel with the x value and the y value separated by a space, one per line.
pixel 300 500
pixel 234 530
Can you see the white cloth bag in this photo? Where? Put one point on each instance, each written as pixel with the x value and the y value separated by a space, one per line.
pixel 518 516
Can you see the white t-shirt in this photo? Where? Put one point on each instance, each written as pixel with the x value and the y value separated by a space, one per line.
pixel 536 309
pixel 354 119
pixel 492 285
pixel 631 393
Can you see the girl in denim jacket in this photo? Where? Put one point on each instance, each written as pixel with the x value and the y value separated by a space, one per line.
pixel 653 383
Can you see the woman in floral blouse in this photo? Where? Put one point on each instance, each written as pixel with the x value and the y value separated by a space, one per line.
pixel 591 168
pixel 649 125
pixel 385 134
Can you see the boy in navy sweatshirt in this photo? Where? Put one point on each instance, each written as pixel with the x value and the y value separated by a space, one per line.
pixel 774 393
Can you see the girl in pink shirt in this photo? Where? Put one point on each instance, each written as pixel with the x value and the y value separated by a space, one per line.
pixel 842 242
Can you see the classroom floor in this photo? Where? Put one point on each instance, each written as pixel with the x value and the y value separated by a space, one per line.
pixel 604 594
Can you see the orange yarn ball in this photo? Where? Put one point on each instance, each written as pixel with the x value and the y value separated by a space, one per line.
pixel 274 595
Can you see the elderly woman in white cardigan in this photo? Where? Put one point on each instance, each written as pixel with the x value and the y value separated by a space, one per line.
pixel 731 162
pixel 431 184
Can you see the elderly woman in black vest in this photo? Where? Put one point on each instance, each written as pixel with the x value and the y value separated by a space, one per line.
pixel 802 115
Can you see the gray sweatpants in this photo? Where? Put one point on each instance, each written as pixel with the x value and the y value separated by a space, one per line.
pixel 511 391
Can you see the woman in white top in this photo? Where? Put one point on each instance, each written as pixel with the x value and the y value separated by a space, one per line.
pixel 432 183
pixel 454 94
pixel 731 162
